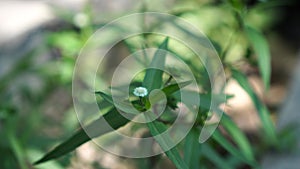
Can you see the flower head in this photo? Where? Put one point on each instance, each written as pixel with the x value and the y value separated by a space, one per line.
pixel 140 92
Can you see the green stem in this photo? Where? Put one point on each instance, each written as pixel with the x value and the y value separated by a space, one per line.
pixel 168 81
pixel 15 144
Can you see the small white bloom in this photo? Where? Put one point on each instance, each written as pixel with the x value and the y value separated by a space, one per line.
pixel 140 92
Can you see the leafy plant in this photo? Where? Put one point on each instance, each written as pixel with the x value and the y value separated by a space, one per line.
pixel 239 151
pixel 153 79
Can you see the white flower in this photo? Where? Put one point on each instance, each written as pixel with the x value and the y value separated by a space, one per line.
pixel 140 92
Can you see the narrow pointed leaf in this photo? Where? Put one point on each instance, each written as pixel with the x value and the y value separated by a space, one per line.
pixel 95 129
pixel 106 97
pixel 217 136
pixel 215 157
pixel 156 128
pixel 205 99
pixel 168 90
pixel 153 77
pixel 192 149
pixel 121 105
pixel 238 137
pixel 262 110
pixel 261 48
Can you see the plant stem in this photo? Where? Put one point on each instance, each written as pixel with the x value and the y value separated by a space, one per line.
pixel 169 80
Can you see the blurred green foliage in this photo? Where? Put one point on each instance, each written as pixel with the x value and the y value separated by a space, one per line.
pixel 36 106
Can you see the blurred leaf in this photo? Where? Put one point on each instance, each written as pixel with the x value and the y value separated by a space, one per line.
pixel 164 140
pixel 234 162
pixel 236 4
pixel 288 137
pixel 95 129
pixel 191 149
pixel 202 40
pixel 238 136
pixel 230 148
pixel 214 156
pixel 261 48
pixel 69 42
pixel 205 99
pixel 153 77
pixel 168 115
pixel 260 107
pixel 106 97
pixel 18 150
pixel 217 46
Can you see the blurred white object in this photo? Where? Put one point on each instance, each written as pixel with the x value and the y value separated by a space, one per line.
pixel 18 17
pixel 75 5
pixel 81 20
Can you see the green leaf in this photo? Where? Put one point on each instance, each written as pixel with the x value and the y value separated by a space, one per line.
pixel 59 40
pixel 17 150
pixel 122 105
pixel 132 86
pixel 170 89
pixel 164 140
pixel 95 129
pixel 238 136
pixel 205 99
pixel 201 40
pixel 260 107
pixel 153 77
pixel 106 97
pixel 217 136
pixel 261 48
pixel 192 149
pixel 167 92
pixel 236 4
pixel 214 156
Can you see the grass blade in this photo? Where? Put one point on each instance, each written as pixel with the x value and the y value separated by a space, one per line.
pixel 122 105
pixel 153 77
pixel 205 99
pixel 261 48
pixel 156 128
pixel 238 136
pixel 96 129
pixel 213 156
pixel 260 107
pixel 192 149
pixel 217 136
pixel 170 89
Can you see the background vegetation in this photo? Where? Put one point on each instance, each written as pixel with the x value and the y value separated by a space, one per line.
pixel 36 110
